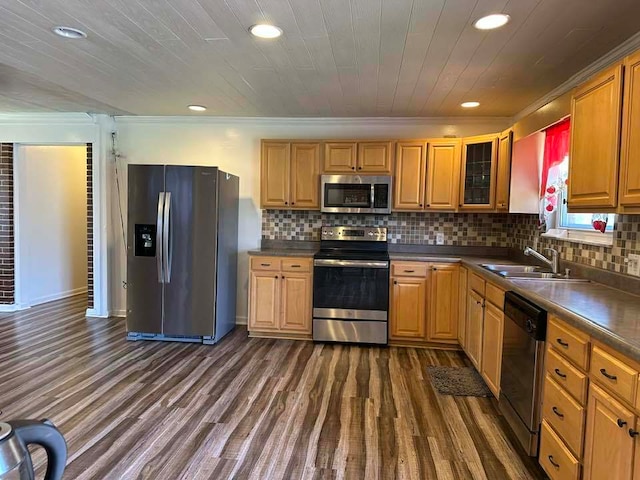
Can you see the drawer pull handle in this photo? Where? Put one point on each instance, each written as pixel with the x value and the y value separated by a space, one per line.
pixel 265 264
pixel 560 374
pixel 562 343
pixel 409 271
pixel 621 423
pixel 633 433
pixel 608 375
pixel 557 412
pixel 296 266
pixel 557 465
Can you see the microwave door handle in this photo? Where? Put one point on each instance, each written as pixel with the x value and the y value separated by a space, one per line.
pixel 159 250
pixel 373 195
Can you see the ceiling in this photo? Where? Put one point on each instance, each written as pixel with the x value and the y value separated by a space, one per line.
pixel 336 58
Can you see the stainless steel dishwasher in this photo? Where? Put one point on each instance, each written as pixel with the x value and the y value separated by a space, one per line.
pixel 525 329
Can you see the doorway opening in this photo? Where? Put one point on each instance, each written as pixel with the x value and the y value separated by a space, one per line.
pixel 53 225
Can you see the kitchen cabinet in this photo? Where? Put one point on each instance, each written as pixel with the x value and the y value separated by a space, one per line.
pixel 503 176
pixel 462 308
pixel 290 175
pixel 410 173
pixel 478 173
pixel 609 448
pixel 594 157
pixel 340 157
pixel 280 297
pixel 443 174
pixel 408 308
pixel 474 329
pixel 443 300
pixel 375 157
pixel 491 364
pixel 629 186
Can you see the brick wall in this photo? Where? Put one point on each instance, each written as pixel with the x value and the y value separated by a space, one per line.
pixel 7 262
pixel 89 225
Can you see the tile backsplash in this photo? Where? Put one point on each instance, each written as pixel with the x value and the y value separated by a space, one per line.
pixel 468 229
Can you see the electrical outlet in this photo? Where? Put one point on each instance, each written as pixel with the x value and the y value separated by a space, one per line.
pixel 633 264
pixel 439 238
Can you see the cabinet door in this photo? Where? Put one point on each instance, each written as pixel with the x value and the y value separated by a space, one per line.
pixel 411 168
pixel 503 178
pixel 408 308
pixel 609 448
pixel 274 174
pixel 442 324
pixel 305 175
pixel 492 346
pixel 296 303
pixel 475 317
pixel 629 164
pixel 478 173
pixel 462 308
pixel 443 174
pixel 595 138
pixel 339 157
pixel 374 157
pixel 264 301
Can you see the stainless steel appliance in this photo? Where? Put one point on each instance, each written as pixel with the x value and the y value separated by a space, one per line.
pixel 355 194
pixel 525 329
pixel 351 286
pixel 182 253
pixel 15 459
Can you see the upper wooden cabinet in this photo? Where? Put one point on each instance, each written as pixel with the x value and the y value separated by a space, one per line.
pixel 410 173
pixel 629 189
pixel 478 173
pixel 358 157
pixel 374 157
pixel 595 143
pixel 443 299
pixel 443 174
pixel 503 179
pixel 340 157
pixel 290 175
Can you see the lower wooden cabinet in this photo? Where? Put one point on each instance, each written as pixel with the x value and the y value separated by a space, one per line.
pixel 443 311
pixel 462 308
pixel 492 332
pixel 474 328
pixel 555 458
pixel 408 308
pixel 280 296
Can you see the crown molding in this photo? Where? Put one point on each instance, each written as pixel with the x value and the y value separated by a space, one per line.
pixel 625 48
pixel 79 118
pixel 211 120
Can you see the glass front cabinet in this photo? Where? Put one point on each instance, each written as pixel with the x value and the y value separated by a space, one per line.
pixel 479 172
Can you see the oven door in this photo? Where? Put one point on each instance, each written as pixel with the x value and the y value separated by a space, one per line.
pixel 356 194
pixel 351 289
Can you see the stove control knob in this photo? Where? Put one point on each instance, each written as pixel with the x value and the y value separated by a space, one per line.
pixel 530 326
pixel 371 234
pixel 331 233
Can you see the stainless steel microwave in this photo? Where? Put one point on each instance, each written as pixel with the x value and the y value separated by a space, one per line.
pixel 355 194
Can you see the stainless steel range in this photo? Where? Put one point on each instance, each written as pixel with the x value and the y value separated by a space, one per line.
pixel 351 286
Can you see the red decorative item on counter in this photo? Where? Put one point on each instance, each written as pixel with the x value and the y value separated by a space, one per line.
pixel 599 222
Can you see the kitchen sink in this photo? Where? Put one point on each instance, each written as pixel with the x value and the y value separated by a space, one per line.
pixel 529 272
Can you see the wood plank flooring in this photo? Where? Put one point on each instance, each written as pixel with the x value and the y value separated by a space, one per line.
pixel 246 408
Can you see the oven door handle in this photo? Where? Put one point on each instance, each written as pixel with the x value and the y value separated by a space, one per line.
pixel 349 263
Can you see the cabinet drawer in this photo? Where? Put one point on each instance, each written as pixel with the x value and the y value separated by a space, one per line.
pixel 265 263
pixel 555 458
pixel 571 343
pixel 409 269
pixel 564 414
pixel 614 374
pixel 477 283
pixel 569 377
pixel 296 265
pixel 495 295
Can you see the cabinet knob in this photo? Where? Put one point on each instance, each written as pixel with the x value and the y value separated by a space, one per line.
pixel 359 168
pixel 293 203
pixel 395 282
pixel 428 204
pixel 276 277
pixel 283 277
pixel 435 269
pixel 286 203
pixel 633 433
pixel 460 205
pixel 353 168
pixel 420 204
pixel 621 423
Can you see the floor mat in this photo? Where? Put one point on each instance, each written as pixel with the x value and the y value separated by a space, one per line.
pixel 458 381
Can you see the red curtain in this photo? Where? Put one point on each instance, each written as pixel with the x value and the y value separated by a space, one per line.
pixel 556 148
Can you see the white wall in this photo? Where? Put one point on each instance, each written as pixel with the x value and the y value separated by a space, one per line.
pixel 234 145
pixel 51 207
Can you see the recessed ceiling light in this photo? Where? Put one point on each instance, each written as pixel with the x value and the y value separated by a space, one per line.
pixel 490 22
pixel 197 108
pixel 68 32
pixel 470 104
pixel 264 30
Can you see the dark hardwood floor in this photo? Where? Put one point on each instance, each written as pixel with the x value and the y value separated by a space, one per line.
pixel 246 408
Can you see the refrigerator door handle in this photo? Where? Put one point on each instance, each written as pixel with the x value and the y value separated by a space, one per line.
pixel 166 236
pixel 159 256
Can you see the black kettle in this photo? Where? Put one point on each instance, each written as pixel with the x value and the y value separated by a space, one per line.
pixel 15 460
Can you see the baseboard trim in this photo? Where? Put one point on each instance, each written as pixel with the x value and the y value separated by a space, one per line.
pixel 57 296
pixel 92 312
pixel 241 321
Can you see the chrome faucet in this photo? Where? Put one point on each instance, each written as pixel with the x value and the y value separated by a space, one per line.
pixel 554 263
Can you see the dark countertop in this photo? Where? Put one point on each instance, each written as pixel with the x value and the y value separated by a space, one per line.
pixel 609 315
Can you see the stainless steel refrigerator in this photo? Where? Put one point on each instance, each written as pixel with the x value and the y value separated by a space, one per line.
pixel 182 252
